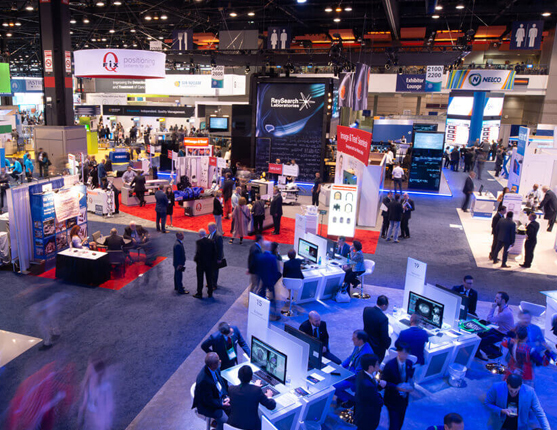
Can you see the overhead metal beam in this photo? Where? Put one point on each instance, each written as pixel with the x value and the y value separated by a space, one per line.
pixel 391 10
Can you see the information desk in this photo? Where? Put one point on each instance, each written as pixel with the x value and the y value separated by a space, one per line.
pixel 129 198
pixel 483 205
pixel 83 266
pixel 444 348
pixel 292 410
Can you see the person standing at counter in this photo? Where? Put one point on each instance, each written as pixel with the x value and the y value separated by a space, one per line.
pixel 227 189
pixel 29 168
pixel 225 342
pixel 245 400
pixel 276 209
pixel 101 172
pixel 316 189
pixel 468 190
pixel 531 240
pixel 138 184
pixel 217 211
pixel 160 208
pixel 258 211
pixel 376 325
pixel 416 338
pixel 367 411
pixel 128 175
pixel 249 194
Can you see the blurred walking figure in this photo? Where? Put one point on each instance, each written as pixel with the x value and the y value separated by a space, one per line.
pixel 45 314
pixel 96 407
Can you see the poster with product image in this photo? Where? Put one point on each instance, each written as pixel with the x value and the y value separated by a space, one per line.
pixel 343 206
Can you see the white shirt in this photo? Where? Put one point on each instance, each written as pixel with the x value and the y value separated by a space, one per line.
pixel 390 157
pixel 398 172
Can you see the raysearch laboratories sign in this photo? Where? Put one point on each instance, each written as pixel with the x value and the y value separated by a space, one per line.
pixel 481 80
pixel 304 102
pixel 119 63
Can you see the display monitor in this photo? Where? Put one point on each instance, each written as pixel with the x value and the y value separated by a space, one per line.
pixel 429 140
pixel 464 304
pixel 430 311
pixel 494 106
pixel 268 359
pixel 315 346
pixel 307 250
pixel 218 123
pixel 460 106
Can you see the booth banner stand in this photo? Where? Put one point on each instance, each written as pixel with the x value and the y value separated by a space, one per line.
pixel 517 159
pixel 342 210
pixel 415 278
pixel 258 317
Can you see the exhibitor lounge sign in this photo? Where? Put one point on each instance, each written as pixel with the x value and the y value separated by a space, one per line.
pixel 119 63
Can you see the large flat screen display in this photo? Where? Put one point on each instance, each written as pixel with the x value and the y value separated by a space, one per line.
pixel 268 359
pixel 218 124
pixel 427 156
pixel 460 106
pixel 430 310
pixel 457 131
pixel 429 140
pixel 494 106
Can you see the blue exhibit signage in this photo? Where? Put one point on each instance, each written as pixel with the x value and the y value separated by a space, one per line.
pixel 410 83
pixel 522 140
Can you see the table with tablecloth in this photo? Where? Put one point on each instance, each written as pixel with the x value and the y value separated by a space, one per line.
pixel 83 266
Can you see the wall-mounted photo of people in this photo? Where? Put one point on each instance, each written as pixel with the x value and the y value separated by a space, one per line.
pixel 39 250
pixel 50 245
pixel 70 222
pixel 61 241
pixel 49 227
pixel 60 226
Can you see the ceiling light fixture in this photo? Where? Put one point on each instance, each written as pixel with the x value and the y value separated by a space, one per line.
pixel 117 3
pixel 9 34
pixel 86 21
pixel 460 6
pixel 29 6
pixel 164 16
pixel 111 30
pixel 251 13
pixel 438 7
pixel 329 9
pixel 301 1
pixel 148 17
pixel 5 24
pixel 435 16
pixel 348 9
pixel 336 20
pixel 100 3
pixel 338 9
pixel 18 24
pixel 72 21
pixel 233 14
pixel 546 14
pixel 132 30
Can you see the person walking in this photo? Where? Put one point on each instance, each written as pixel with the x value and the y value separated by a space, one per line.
pixel 258 211
pixel 240 221
pixel 160 208
pixel 506 233
pixel 276 209
pixel 179 263
pixel 138 184
pixel 227 189
pixel 481 157
pixel 499 162
pixel 385 214
pixel 499 215
pixel 315 190
pixel 549 207
pixel 367 411
pixel 216 237
pixel 468 190
pixel 398 175
pixel 218 211
pixel 407 209
pixel 268 272
pixel 254 252
pixel 395 216
pixel 171 200
pixel 205 258
pixel 531 240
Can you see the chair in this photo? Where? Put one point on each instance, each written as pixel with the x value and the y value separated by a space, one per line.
pixel 202 417
pixel 291 284
pixel 96 236
pixel 370 267
pixel 117 259
pixel 535 310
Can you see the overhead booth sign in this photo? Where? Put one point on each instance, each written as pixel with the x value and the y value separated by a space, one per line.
pixel 491 80
pixel 119 63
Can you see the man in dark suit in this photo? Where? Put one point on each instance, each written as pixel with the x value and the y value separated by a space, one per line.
pixel 254 252
pixel 395 217
pixel 549 207
pixel 376 325
pixel 160 208
pixel 468 190
pixel 466 290
pixel 258 211
pixel 138 235
pixel 367 412
pixel 138 184
pixel 385 214
pixel 276 209
pixel 354 364
pixel 416 338
pixel 496 218
pixel 211 391
pixel 531 240
pixel 268 274
pixel 398 374
pixel 245 400
pixel 407 208
pixel 217 211
pixel 216 237
pixel 313 326
pixel 179 263
pixel 249 194
pixel 506 232
pixel 224 343
pixel 114 242
pixel 292 268
pixel 206 259
pixel 227 190
pixel 341 247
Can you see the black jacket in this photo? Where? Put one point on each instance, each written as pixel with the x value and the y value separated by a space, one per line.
pixel 254 252
pixel 249 195
pixel 217 240
pixel 276 205
pixel 391 374
pixel 376 325
pixel 227 189
pixel 179 254
pixel 258 208
pixel 205 253
pixel 532 231
pixel 138 183
pixel 549 204
pixel 395 210
pixel 495 220
pixel 217 207
pixel 217 342
pixel 473 297
pixel 407 211
pixel 114 243
pixel 386 202
pixel 207 398
pixel 161 201
pixel 141 232
pixel 506 231
pixel 244 403
pixel 292 269
pixel 367 412
pixel 307 328
pixel 468 186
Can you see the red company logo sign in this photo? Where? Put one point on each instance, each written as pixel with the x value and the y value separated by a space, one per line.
pixel 198 206
pixel 110 62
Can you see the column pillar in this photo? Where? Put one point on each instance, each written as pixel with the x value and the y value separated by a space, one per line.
pixel 549 55
pixel 56 50
pixel 477 117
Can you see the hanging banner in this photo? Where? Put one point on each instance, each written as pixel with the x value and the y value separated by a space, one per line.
pixel 196 141
pixel 345 92
pixel 278 38
pixel 517 159
pixel 434 78
pixel 196 85
pixel 66 204
pixel 48 64
pixel 182 40
pixel 354 142
pixel 119 63
pixel 217 77
pixel 410 83
pixel 361 81
pixel 342 210
pixel 481 80
pixel 526 35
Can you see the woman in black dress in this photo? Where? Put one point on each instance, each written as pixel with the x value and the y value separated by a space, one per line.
pixel 170 208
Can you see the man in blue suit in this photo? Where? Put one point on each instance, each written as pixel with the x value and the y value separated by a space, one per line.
pixel 353 364
pixel 224 343
pixel 416 337
pixel 268 272
pixel 160 208
pixel 510 404
pixel 179 263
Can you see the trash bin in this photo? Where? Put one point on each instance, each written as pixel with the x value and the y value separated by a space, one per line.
pixel 456 373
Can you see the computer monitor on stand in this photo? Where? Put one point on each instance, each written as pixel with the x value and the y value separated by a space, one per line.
pixel 268 359
pixel 315 346
pixel 430 310
pixel 464 304
pixel 308 251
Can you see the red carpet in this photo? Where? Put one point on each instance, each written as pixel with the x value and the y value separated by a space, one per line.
pixel 368 238
pixel 116 283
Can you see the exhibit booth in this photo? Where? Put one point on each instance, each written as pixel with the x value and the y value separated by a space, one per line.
pixel 290 363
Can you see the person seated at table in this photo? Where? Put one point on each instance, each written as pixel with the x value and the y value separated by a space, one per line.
pixel 341 247
pixel 313 326
pixel 137 234
pixel 77 242
pixel 292 268
pixel 114 242
pixel 355 267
